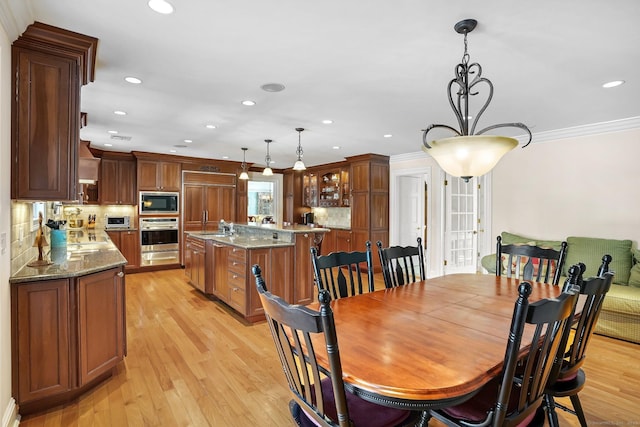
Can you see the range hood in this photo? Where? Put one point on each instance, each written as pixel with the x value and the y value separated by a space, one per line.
pixel 88 166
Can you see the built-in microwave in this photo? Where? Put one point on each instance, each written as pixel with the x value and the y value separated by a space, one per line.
pixel 157 202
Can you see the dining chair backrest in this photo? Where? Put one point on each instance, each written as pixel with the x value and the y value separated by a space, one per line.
pixel 292 327
pixel 572 352
pixel 401 264
pixel 530 262
pixel 318 391
pixel 344 274
pixel 524 377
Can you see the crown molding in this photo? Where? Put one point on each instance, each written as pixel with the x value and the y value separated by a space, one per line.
pixel 552 135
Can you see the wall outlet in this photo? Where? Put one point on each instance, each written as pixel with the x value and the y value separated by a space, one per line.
pixel 3 243
pixel 20 234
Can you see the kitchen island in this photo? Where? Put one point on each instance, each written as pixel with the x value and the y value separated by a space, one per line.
pixel 68 328
pixel 220 264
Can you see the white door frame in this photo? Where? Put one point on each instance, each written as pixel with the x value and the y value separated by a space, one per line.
pixel 394 204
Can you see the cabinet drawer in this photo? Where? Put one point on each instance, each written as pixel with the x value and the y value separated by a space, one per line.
pixel 238 255
pixel 236 280
pixel 237 267
pixel 237 299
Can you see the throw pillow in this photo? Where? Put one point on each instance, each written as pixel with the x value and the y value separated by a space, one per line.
pixel 510 239
pixel 634 276
pixel 590 250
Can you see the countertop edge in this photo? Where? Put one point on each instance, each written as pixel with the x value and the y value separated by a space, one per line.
pixel 64 275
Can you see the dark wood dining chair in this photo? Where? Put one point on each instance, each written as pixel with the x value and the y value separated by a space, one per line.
pixel 401 264
pixel 567 378
pixel 344 274
pixel 529 262
pixel 319 394
pixel 515 397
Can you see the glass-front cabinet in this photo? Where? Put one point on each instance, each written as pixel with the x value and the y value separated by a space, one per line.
pixel 310 190
pixel 333 187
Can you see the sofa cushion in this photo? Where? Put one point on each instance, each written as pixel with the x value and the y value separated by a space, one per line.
pixel 590 250
pixel 622 299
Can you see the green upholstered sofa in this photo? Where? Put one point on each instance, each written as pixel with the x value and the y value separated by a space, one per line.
pixel 620 315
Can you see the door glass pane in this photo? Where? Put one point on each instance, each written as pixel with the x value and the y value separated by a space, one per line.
pixel 261 199
pixel 461 218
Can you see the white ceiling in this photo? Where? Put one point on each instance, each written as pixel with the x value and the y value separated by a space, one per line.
pixel 374 67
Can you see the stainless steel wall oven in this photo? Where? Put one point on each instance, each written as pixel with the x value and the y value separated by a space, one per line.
pixel 159 238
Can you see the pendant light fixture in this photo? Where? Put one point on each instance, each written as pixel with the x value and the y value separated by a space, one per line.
pixel 267 159
pixel 299 164
pixel 470 153
pixel 244 174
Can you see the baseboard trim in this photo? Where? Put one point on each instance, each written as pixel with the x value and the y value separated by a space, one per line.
pixel 11 418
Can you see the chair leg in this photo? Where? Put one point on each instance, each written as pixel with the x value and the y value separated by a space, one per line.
pixel 294 408
pixel 424 419
pixel 551 410
pixel 577 406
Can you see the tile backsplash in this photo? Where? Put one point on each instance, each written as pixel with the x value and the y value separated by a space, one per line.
pixel 332 217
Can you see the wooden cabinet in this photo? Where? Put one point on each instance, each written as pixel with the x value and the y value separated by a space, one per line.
pixel 49 66
pixel 310 189
pixel 292 187
pixel 303 292
pixel 369 180
pixel 343 241
pixel 41 339
pixel 117 182
pixel 333 187
pixel 234 283
pixel 127 242
pixel 158 175
pixel 101 323
pixel 67 335
pixel 194 262
pixel 208 198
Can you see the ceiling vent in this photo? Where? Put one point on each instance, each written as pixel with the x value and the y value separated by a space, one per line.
pixel 120 138
pixel 88 165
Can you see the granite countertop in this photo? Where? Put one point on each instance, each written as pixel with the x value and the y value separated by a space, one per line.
pixel 86 252
pixel 242 241
pixel 291 228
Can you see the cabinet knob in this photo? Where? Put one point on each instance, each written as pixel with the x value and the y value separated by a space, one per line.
pixel 120 274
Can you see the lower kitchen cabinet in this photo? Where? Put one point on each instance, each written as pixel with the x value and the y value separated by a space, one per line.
pixel 128 243
pixel 234 283
pixel 67 335
pixel 194 262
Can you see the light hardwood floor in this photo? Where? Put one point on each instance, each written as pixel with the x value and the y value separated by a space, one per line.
pixel 191 362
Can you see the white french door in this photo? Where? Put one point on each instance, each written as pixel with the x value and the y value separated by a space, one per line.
pixel 463 219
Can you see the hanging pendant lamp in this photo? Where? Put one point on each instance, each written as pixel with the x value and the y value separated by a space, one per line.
pixel 244 174
pixel 267 159
pixel 299 164
pixel 470 153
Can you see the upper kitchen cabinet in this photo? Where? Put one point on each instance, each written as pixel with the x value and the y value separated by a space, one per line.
pixel 49 67
pixel 117 179
pixel 154 175
pixel 310 189
pixel 333 186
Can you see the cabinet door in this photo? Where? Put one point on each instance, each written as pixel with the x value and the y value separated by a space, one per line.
pixel 263 258
pixel 220 288
pixel 169 176
pixel 40 318
pixel 303 291
pixel 194 210
pixel 101 324
pixel 281 279
pixel 147 175
pixel 130 247
pixel 343 240
pixel 109 185
pixel 127 182
pixel 328 244
pixel 46 127
pixel 220 204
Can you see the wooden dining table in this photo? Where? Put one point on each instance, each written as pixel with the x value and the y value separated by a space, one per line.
pixel 428 344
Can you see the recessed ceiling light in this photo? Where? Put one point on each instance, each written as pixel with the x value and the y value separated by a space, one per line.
pixel 188 140
pixel 210 126
pixel 133 80
pixel 113 132
pixel 336 147
pixel 108 145
pixel 120 113
pixel 180 146
pixel 613 84
pixel 248 102
pixel 161 6
pixel 172 151
pixel 272 87
pixel 388 135
pixel 327 122
pixel 225 157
